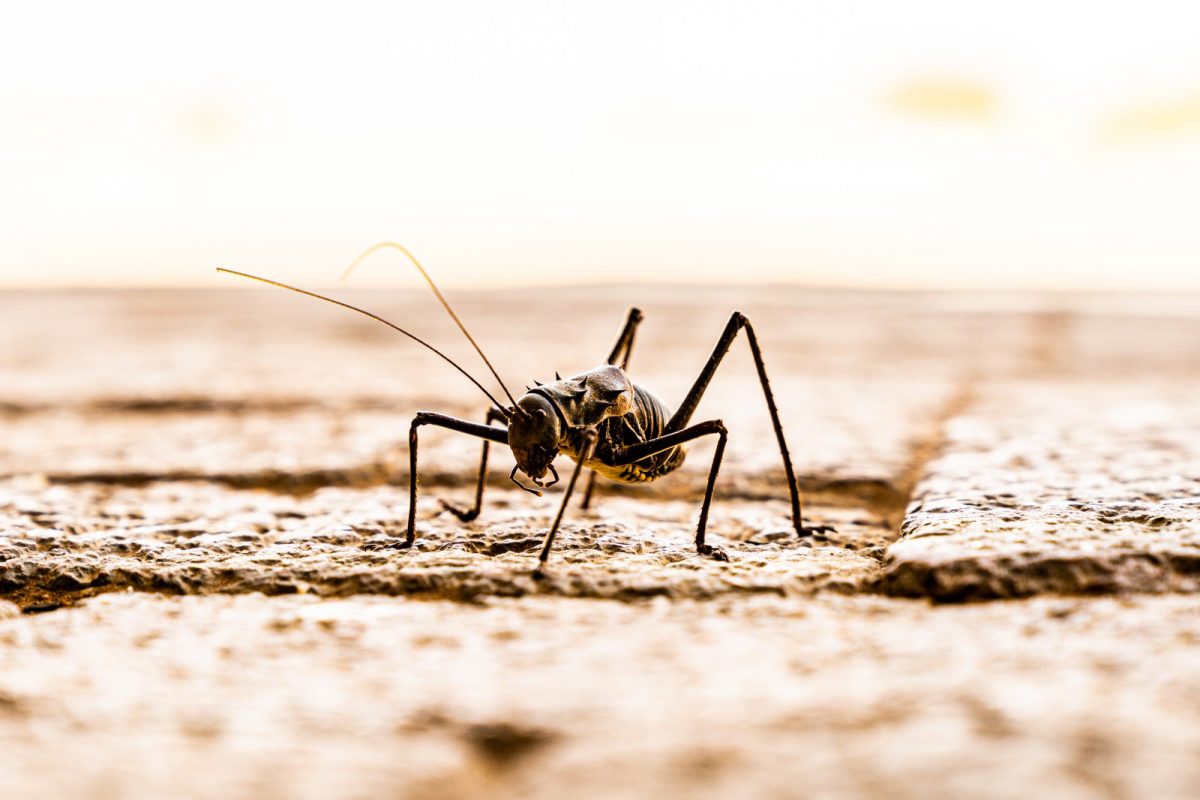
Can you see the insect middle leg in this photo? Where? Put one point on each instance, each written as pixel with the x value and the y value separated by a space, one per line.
pixel 485 432
pixel 677 423
pixel 619 356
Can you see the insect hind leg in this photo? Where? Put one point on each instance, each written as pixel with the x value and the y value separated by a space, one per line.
pixel 624 345
pixel 738 322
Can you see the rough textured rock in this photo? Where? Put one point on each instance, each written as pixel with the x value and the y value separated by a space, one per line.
pixel 849 446
pixel 63 541
pixel 264 448
pixel 125 428
pixel 137 696
pixel 266 389
pixel 220 444
pixel 1075 488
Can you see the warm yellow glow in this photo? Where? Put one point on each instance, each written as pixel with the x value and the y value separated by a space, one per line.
pixel 1158 120
pixel 926 143
pixel 208 124
pixel 944 98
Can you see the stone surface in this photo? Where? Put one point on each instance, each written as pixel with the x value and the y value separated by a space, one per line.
pixel 849 446
pixel 126 429
pixel 255 448
pixel 136 389
pixel 218 445
pixel 136 696
pixel 1074 488
pixel 63 541
pixel 265 389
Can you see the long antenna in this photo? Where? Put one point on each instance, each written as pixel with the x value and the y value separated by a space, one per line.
pixel 377 318
pixel 445 304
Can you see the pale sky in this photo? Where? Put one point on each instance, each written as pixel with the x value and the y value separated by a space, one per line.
pixel 926 143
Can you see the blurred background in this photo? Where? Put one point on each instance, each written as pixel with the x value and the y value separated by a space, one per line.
pixel 926 144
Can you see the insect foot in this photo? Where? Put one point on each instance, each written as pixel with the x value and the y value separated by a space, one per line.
pixel 714 553
pixel 463 514
pixel 816 531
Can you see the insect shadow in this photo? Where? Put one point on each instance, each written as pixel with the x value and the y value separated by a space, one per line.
pixel 600 419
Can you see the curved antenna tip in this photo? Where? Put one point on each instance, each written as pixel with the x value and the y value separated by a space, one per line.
pixel 375 317
pixel 441 299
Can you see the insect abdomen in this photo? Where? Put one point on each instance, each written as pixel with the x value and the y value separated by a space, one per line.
pixel 647 420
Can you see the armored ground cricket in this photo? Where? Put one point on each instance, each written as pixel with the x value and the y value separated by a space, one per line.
pixel 600 419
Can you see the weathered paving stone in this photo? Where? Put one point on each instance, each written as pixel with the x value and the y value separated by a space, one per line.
pixel 218 445
pixel 846 443
pixel 155 394
pixel 1073 488
pixel 263 389
pixel 136 696
pixel 75 444
pixel 65 541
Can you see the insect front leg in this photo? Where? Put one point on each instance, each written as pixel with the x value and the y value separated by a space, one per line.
pixel 619 356
pixel 485 432
pixel 467 514
pixel 590 437
pixel 738 322
pixel 710 428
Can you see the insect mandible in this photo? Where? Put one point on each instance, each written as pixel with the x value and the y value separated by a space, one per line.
pixel 600 419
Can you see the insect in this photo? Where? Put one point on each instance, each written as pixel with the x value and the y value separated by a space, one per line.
pixel 600 419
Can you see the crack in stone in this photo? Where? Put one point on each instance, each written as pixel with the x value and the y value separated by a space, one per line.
pixel 883 497
pixel 1057 488
pixel 892 507
pixel 924 451
pixel 201 404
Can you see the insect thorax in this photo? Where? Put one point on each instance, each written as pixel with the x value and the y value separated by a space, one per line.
pixel 624 414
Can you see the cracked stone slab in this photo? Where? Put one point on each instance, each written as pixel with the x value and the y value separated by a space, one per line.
pixel 844 441
pixel 1069 488
pixel 247 385
pixel 140 696
pixel 60 542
